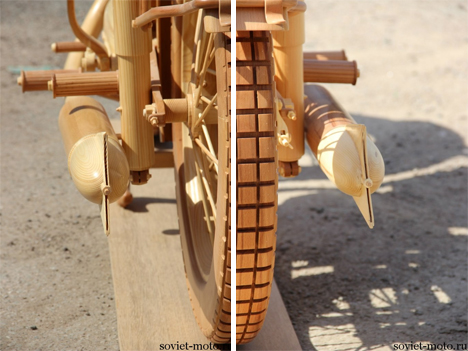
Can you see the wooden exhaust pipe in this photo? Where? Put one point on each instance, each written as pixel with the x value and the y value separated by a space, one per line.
pixel 345 153
pixel 82 121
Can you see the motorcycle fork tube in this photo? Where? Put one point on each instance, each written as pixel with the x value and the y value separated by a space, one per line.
pixel 133 47
pixel 289 80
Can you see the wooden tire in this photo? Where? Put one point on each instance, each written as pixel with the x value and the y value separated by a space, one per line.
pixel 257 181
pixel 202 186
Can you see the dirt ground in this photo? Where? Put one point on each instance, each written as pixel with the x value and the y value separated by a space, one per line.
pixel 345 287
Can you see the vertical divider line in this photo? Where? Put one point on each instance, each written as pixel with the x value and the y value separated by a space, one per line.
pixel 233 175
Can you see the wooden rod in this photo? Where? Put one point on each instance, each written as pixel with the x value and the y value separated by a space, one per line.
pixel 289 58
pixel 195 5
pixel 325 55
pixel 37 80
pixel 76 84
pixel 133 47
pixel 92 25
pixel 82 35
pixel 332 71
pixel 68 46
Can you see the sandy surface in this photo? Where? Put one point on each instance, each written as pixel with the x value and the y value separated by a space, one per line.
pixel 345 287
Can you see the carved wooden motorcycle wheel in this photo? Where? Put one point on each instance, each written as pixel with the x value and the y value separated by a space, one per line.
pixel 257 181
pixel 201 153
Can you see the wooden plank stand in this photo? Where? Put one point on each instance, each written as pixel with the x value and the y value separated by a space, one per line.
pixel 153 307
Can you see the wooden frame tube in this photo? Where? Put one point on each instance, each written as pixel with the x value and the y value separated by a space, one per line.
pixel 289 60
pixel 37 80
pixel 133 47
pixel 195 5
pixel 331 71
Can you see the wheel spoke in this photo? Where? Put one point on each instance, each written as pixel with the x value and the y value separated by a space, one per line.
pixel 209 143
pixel 206 151
pixel 206 110
pixel 206 185
pixel 200 175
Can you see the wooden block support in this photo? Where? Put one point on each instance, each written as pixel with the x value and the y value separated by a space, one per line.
pixel 76 84
pixel 331 71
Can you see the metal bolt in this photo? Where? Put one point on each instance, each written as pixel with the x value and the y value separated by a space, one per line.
pixel 292 115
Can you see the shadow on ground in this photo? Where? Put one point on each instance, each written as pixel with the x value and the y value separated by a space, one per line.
pixel 347 287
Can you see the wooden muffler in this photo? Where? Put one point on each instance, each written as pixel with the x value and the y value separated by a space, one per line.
pixel 96 161
pixel 345 153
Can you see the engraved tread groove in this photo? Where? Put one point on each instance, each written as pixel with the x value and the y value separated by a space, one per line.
pixel 257 182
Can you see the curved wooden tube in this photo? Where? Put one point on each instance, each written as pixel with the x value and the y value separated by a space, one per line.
pixel 82 120
pixel 92 24
pixel 195 5
pixel 85 38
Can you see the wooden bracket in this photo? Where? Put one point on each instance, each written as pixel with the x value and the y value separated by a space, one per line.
pixel 274 12
pixel 225 12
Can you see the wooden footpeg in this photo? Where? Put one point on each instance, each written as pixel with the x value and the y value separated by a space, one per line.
pixel 325 55
pixel 68 46
pixel 77 84
pixel 331 71
pixel 37 80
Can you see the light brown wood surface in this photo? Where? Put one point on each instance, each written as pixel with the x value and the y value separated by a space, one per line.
pixel 151 295
pixel 330 71
pixel 277 332
pixel 79 84
pixel 289 81
pixel 132 48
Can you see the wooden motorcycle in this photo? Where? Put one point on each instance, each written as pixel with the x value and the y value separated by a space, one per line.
pixel 168 63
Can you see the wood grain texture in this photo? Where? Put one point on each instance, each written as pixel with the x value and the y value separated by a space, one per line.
pixel 81 121
pixel 256 182
pixel 38 80
pixel 289 81
pixel 133 47
pixel 152 302
pixel 68 46
pixel 151 297
pixel 92 25
pixel 325 55
pixel 330 71
pixel 79 84
pixel 277 332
